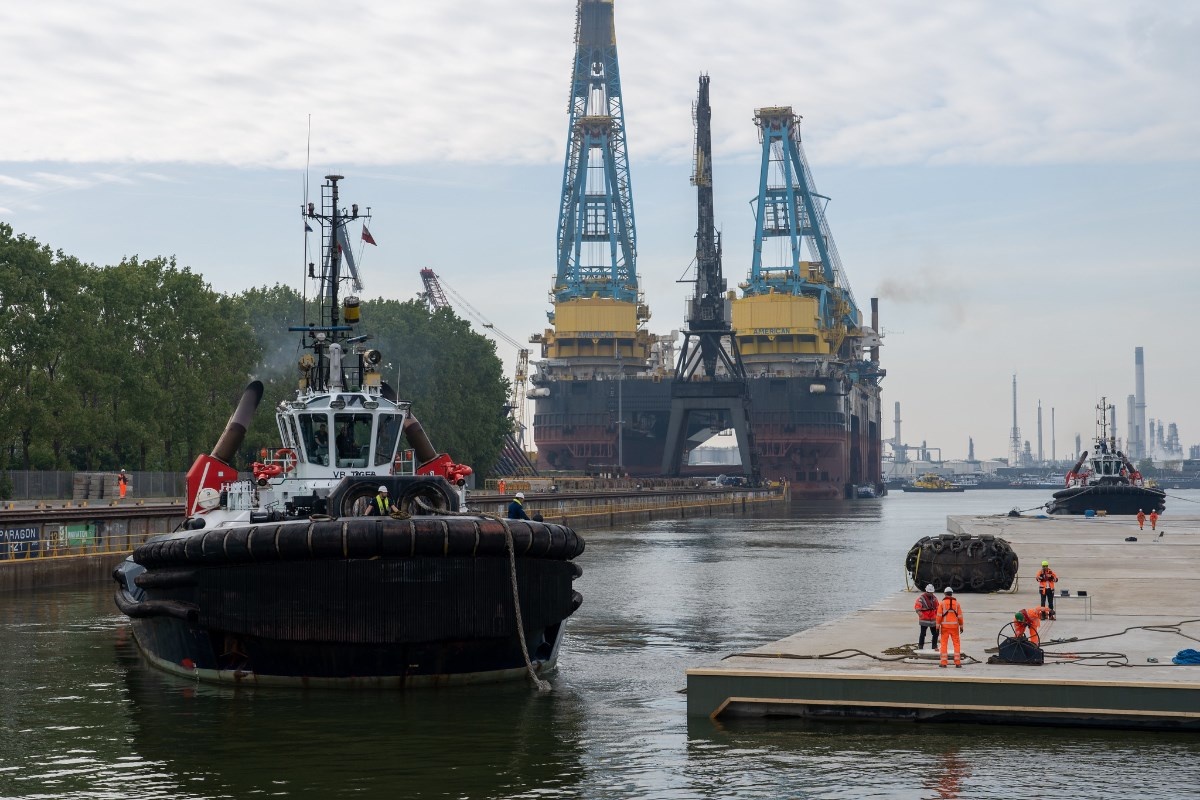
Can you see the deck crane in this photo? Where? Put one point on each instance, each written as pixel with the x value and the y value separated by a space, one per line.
pixel 438 295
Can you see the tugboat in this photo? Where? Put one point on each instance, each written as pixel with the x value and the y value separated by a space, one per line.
pixel 931 482
pixel 1107 481
pixel 282 579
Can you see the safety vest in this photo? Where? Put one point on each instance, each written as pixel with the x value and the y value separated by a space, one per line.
pixel 1046 578
pixel 382 503
pixel 926 607
pixel 949 612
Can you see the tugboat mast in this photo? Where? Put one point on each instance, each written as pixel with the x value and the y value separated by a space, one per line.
pixel 335 244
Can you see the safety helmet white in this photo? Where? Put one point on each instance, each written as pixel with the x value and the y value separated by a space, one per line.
pixel 383 489
pixel 520 495
pixel 949 590
pixel 929 588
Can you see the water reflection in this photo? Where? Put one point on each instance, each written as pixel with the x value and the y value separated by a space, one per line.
pixel 478 742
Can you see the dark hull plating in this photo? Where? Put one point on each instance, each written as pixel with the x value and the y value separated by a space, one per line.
pixel 823 442
pixel 416 602
pixel 1118 499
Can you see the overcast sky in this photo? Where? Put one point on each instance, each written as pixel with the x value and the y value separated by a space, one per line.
pixel 1015 181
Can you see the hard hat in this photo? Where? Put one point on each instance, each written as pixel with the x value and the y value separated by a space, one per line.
pixel 122 470
pixel 520 495
pixel 929 587
pixel 1045 563
pixel 949 590
pixel 1019 617
pixel 383 489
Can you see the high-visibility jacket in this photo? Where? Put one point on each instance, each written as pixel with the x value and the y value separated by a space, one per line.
pixel 926 607
pixel 949 613
pixel 1047 578
pixel 382 504
pixel 1033 620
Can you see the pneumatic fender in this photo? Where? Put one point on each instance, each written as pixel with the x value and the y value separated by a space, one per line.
pixel 963 562
pixel 429 536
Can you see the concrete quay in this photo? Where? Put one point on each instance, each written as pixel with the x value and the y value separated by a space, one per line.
pixel 1124 680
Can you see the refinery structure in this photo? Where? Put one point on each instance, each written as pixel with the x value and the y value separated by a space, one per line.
pixel 802 364
pixel 1147 442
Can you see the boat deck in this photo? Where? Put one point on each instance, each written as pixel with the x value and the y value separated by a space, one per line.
pixel 1154 582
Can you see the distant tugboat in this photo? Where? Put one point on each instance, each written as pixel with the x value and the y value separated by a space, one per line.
pixel 1107 482
pixel 280 579
pixel 932 483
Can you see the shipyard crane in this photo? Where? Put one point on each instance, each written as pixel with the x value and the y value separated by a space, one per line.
pixel 790 211
pixel 437 295
pixel 699 386
pixel 597 333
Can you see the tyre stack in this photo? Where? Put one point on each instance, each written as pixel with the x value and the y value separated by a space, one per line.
pixel 963 562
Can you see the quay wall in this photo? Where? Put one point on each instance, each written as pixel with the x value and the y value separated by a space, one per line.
pixel 69 543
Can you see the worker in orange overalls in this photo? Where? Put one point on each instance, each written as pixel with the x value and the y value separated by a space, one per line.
pixel 501 486
pixel 1046 580
pixel 1141 520
pixel 1154 520
pixel 1030 618
pixel 950 623
pixel 122 484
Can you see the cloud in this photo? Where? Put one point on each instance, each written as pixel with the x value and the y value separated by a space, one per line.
pixel 17 183
pixel 464 81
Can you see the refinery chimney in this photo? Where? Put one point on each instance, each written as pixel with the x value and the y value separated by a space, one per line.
pixel 1014 444
pixel 1041 453
pixel 898 447
pixel 1140 449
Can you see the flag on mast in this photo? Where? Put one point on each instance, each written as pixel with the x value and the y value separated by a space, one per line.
pixel 367 237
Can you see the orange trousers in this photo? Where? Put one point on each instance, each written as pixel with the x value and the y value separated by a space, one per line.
pixel 122 488
pixel 947 634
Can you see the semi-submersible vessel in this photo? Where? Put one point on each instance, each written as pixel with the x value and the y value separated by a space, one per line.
pixel 603 392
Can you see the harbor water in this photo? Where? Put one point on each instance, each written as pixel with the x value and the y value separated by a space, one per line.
pixel 82 715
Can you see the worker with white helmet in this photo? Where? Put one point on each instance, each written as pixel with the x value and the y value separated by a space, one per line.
pixel 950 622
pixel 516 509
pixel 381 504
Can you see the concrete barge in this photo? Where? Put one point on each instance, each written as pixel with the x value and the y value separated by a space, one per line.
pixel 1108 655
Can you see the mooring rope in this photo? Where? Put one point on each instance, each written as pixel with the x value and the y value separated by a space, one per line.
pixel 537 682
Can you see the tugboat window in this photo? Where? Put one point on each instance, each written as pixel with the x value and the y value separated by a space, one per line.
pixel 386 438
pixel 314 430
pixel 353 440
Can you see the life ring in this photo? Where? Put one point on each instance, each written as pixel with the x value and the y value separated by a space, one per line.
pixel 288 456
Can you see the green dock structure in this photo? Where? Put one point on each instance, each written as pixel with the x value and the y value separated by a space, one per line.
pixel 1108 654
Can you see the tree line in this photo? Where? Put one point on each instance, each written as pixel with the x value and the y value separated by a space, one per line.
pixel 138 365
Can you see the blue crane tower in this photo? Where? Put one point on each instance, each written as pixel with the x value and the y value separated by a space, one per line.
pixel 598 314
pixel 597 239
pixel 789 215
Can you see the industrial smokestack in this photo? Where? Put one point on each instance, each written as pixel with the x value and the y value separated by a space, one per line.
pixel 1053 438
pixel 1130 426
pixel 875 326
pixel 1041 453
pixel 898 443
pixel 1014 443
pixel 1139 388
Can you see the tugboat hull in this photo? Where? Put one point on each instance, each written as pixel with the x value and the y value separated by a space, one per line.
pixel 353 602
pixel 1112 499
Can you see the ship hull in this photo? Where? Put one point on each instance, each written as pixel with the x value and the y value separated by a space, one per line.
pixel 1114 499
pixel 353 603
pixel 809 431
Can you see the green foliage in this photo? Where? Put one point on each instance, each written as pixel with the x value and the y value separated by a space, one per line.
pixel 450 374
pixel 139 365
